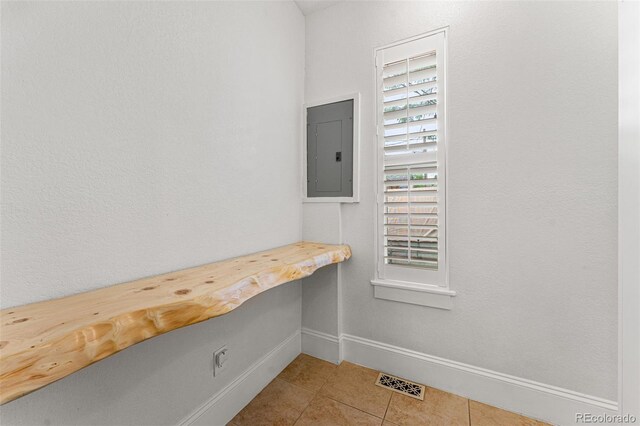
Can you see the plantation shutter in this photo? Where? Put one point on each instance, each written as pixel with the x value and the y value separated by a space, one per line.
pixel 411 135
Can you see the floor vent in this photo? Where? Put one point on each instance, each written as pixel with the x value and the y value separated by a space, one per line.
pixel 405 387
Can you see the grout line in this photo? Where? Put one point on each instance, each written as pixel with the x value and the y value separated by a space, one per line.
pixel 305 408
pixel 469 410
pixel 387 409
pixel 317 394
pixel 351 406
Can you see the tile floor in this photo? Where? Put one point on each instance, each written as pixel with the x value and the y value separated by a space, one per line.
pixel 315 392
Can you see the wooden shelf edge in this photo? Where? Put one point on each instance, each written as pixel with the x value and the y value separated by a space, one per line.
pixel 43 342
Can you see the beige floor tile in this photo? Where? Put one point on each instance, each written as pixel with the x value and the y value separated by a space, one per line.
pixel 487 415
pixel 280 403
pixel 349 396
pixel 355 386
pixel 308 372
pixel 327 412
pixel 438 408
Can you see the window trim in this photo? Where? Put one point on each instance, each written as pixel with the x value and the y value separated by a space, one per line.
pixel 437 295
pixel 355 97
pixel 412 293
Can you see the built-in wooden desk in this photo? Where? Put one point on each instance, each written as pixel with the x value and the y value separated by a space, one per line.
pixel 46 341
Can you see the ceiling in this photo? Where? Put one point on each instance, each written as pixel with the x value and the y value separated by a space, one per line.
pixel 310 6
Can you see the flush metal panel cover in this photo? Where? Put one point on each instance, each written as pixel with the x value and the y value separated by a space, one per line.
pixel 330 150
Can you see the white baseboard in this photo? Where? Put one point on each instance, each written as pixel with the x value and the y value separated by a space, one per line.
pixel 320 345
pixel 226 403
pixel 536 400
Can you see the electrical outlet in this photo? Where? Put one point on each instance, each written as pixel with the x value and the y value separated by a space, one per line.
pixel 219 360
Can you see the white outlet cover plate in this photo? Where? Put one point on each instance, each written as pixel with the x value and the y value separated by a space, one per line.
pixel 219 359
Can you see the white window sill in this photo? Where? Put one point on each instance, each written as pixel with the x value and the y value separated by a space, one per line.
pixel 330 200
pixel 416 294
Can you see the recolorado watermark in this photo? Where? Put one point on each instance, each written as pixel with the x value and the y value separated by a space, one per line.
pixel 605 418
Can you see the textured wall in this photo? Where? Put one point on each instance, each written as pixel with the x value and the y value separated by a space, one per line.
pixel 532 101
pixel 140 138
pixel 145 137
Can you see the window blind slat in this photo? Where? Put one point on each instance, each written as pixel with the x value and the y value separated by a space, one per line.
pixel 424 87
pixel 413 112
pixel 408 157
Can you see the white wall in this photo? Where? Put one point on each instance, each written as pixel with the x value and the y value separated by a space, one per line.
pixel 140 138
pixel 321 222
pixel 532 101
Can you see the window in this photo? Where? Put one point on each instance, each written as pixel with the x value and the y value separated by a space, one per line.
pixel 411 162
